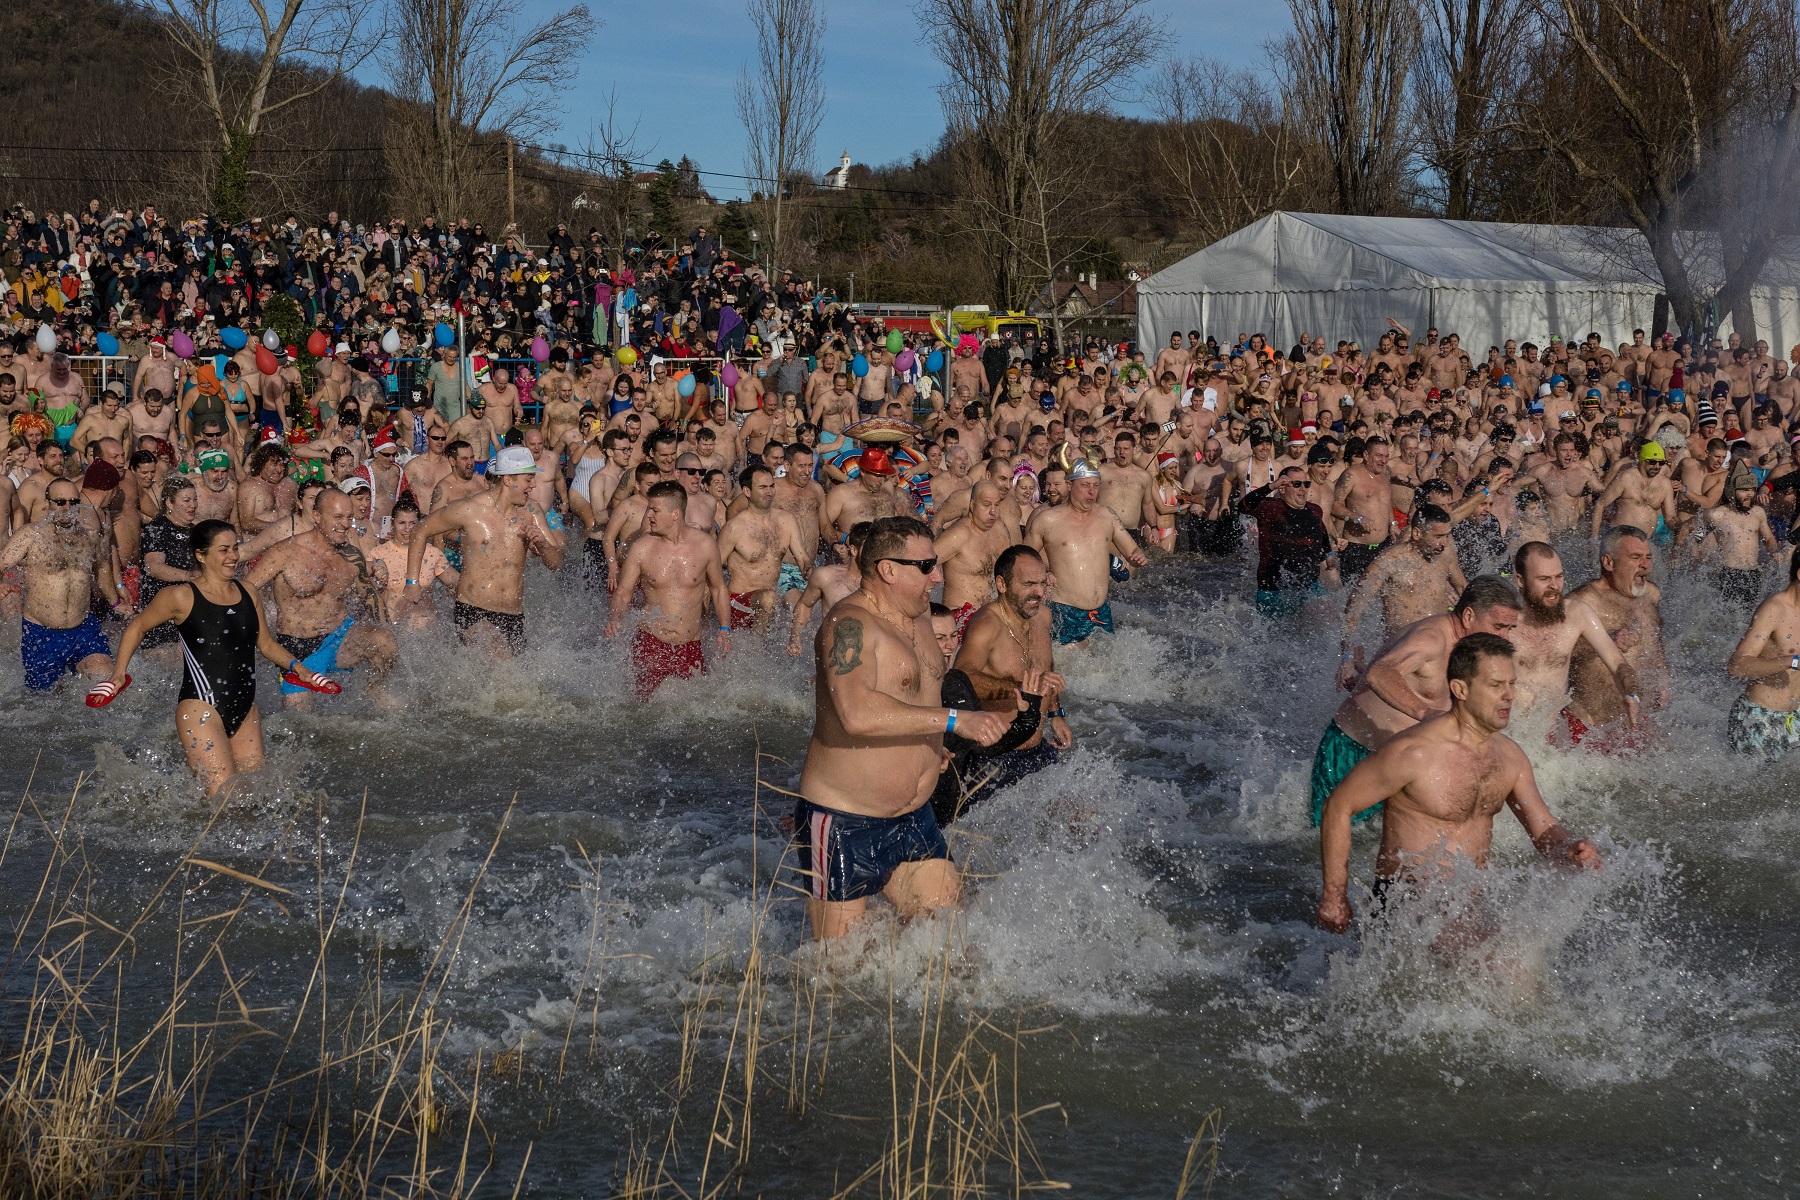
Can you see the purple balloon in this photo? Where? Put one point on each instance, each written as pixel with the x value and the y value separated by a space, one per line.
pixel 181 345
pixel 540 349
pixel 903 361
pixel 728 375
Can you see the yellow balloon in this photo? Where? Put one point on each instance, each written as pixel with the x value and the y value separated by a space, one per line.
pixel 626 356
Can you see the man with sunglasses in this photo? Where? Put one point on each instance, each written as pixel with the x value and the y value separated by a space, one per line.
pixel 864 826
pixel 1295 561
pixel 60 556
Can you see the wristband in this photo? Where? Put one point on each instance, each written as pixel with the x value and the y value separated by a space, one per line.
pixel 1633 697
pixel 950 722
pixel 724 629
pixel 1057 712
pixel 412 583
pixel 1794 663
pixel 293 663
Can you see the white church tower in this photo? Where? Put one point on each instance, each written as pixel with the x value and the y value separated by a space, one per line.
pixel 839 176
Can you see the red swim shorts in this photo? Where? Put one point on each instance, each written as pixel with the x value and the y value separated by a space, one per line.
pixel 654 660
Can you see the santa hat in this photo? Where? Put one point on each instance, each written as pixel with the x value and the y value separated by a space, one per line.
pixel 384 440
pixel 1296 438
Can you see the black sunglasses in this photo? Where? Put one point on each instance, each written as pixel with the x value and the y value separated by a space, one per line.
pixel 690 470
pixel 69 503
pixel 925 565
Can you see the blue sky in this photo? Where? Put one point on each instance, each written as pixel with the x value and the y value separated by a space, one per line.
pixel 677 63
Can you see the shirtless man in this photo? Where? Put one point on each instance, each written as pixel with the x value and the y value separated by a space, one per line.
pixel 1628 605
pixel 1411 580
pixel 423 472
pixel 267 494
pixel 498 529
pixel 604 485
pixel 756 547
pixel 1078 539
pixel 1547 636
pixel 835 409
pixel 1002 643
pixel 1440 784
pixel 870 498
pixel 1174 359
pixel 104 420
pixel 1406 682
pixel 314 578
pixel 703 512
pixel 797 495
pixel 60 557
pixel 218 486
pixel 863 826
pixel 1768 659
pixel 459 482
pixel 65 395
pixel 159 371
pixel 480 434
pixel 501 397
pixel 1567 482
pixel 968 549
pixel 1644 495
pixel 875 388
pixel 1737 531
pixel 152 417
pixel 1124 484
pixel 1363 500
pixel 830 583
pixel 29 503
pixel 679 569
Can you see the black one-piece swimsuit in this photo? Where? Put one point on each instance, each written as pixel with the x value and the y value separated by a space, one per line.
pixel 218 646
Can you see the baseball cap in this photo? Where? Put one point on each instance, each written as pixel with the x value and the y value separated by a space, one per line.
pixel 355 483
pixel 513 460
pixel 341 348
pixel 213 460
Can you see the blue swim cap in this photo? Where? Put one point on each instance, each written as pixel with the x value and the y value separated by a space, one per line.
pixel 1506 381
pixel 1594 392
pixel 1677 394
pixel 1537 406
pixel 1556 379
pixel 1624 386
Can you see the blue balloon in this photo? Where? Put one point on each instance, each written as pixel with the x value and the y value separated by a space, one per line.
pixel 859 366
pixel 108 343
pixel 685 388
pixel 445 335
pixel 219 361
pixel 234 338
pixel 934 362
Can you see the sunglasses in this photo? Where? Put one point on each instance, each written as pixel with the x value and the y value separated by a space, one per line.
pixel 690 471
pixel 69 503
pixel 925 565
pixel 436 437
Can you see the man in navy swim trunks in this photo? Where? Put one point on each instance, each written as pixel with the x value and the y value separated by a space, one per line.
pixel 60 555
pixel 865 826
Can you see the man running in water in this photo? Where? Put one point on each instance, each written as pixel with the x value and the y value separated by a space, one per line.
pixel 1411 580
pixel 679 569
pixel 1078 540
pixel 1765 720
pixel 59 556
pixel 830 583
pixel 1738 531
pixel 863 826
pixel 312 578
pixel 1439 785
pixel 1547 636
pixel 1406 682
pixel 757 546
pixel 1628 606
pixel 496 529
pixel 968 549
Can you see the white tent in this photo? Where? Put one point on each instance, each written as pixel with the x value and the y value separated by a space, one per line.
pixel 1342 277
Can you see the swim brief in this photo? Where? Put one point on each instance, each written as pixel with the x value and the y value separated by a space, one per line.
pixel 963 616
pixel 1069 624
pixel 317 654
pixel 595 572
pixel 1754 729
pixel 1279 606
pixel 50 654
pixel 454 556
pixel 510 625
pixel 1338 753
pixel 133 579
pixel 481 469
pixel 847 856
pixel 743 610
pixel 1354 560
pixel 1662 535
pixel 792 579
pixel 654 660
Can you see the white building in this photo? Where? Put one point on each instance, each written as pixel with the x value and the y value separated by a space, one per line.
pixel 839 176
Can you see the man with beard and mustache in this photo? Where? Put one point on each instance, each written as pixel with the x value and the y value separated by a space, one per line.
pixel 1547 636
pixel 1629 608
pixel 1738 530
pixel 61 555
pixel 1412 581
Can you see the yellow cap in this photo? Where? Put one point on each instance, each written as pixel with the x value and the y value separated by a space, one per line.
pixel 1652 452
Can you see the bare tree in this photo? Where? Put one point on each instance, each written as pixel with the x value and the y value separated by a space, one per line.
pixel 612 154
pixel 473 71
pixel 1226 145
pixel 1023 77
pixel 1343 71
pixel 1677 113
pixel 781 100
pixel 1462 80
pixel 329 38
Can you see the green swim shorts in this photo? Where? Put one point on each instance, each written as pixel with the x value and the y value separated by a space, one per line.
pixel 1338 752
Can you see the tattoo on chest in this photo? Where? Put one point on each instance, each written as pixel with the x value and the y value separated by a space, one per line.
pixel 846 646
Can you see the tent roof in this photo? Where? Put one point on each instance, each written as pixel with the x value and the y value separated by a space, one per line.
pixel 1321 252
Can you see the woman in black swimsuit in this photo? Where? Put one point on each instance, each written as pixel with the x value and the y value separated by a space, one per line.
pixel 222 631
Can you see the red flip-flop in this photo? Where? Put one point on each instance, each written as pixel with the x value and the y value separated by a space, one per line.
pixel 330 687
pixel 105 692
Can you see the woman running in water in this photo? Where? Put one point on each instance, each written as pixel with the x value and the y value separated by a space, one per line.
pixel 222 630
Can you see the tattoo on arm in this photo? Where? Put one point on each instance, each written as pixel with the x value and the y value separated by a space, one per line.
pixel 846 646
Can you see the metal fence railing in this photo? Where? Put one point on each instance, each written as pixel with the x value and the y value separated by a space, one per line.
pixel 98 370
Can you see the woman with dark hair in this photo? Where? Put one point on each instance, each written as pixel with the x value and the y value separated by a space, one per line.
pixel 221 628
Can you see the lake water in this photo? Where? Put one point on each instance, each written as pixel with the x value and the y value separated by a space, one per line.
pixel 1144 907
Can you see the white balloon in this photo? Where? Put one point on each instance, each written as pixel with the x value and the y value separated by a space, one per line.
pixel 390 341
pixel 46 338
pixel 271 339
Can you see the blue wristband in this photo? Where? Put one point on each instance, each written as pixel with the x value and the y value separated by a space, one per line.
pixel 950 725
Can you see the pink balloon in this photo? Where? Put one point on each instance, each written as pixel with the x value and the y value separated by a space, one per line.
pixel 181 345
pixel 728 375
pixel 903 361
pixel 540 349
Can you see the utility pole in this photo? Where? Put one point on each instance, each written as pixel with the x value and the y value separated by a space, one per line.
pixel 512 212
pixel 852 299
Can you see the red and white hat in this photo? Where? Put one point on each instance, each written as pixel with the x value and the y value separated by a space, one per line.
pixel 1296 438
pixel 384 441
pixel 1165 460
